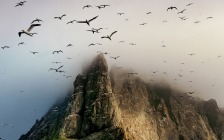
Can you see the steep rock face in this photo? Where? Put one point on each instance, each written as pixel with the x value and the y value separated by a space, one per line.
pixel 114 106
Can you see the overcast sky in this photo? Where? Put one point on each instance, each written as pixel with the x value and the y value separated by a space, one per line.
pixel 28 88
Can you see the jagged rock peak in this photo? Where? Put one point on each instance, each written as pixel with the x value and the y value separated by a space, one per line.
pixel 114 106
pixel 98 64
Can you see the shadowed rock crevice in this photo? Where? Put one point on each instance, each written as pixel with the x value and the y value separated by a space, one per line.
pixel 113 106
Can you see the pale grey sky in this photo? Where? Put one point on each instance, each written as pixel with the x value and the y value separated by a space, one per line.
pixel 21 70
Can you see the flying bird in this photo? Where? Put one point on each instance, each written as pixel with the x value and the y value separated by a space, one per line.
pixel 21 43
pixel 71 21
pixel 92 44
pixel 56 62
pixel 189 4
pixel 181 12
pixel 5 47
pixel 196 22
pixel 20 3
pixel 120 14
pixel 219 56
pixel 69 58
pixel 171 8
pixel 164 21
pixel 132 44
pixel 36 20
pixel 149 13
pixel 87 21
pixel 102 6
pixel 60 17
pixel 109 36
pixel 209 17
pixel 34 52
pixel 191 54
pixel 182 18
pixel 94 30
pixel 69 45
pixel 67 76
pixel 86 6
pixel 28 30
pixel 143 23
pixel 57 51
pixel 57 69
pixel 115 57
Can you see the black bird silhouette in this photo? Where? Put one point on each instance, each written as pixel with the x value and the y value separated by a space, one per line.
pixel 191 54
pixel 36 20
pixel 21 43
pixel 56 62
pixel 132 44
pixel 20 3
pixel 57 51
pixel 192 92
pixel 5 47
pixel 181 12
pixel 164 21
pixel 86 6
pixel 189 4
pixel 69 58
pixel 149 13
pixel 69 45
pixel 209 17
pixel 60 71
pixel 102 6
pixel 109 36
pixel 143 23
pixel 34 52
pixel 171 8
pixel 92 44
pixel 183 18
pixel 196 22
pixel 94 30
pixel 120 14
pixel 60 17
pixel 87 21
pixel 28 30
pixel 115 57
pixel 56 69
pixel 71 21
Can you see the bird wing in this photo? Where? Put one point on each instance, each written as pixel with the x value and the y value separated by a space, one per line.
pixel 168 8
pixel 104 37
pixel 93 18
pixel 20 34
pixel 113 33
pixel 63 15
pixel 32 26
pixel 60 67
pixel 81 21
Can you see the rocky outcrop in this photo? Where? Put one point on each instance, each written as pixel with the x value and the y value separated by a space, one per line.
pixel 113 106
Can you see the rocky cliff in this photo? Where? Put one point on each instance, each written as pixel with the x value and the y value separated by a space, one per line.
pixel 113 106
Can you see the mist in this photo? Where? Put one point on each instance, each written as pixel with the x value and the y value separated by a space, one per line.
pixel 28 89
